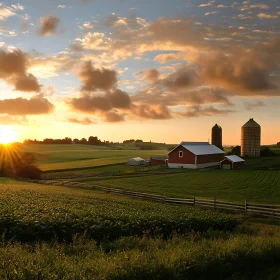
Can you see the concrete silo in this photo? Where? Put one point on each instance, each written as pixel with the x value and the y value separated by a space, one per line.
pixel 217 136
pixel 251 139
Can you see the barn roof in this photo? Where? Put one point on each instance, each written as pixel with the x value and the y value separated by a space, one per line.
pixel 203 149
pixel 200 148
pixel 234 158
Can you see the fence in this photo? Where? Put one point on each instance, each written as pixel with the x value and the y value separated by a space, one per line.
pixel 266 210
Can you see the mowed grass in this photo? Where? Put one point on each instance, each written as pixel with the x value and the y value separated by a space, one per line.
pixel 235 185
pixel 59 157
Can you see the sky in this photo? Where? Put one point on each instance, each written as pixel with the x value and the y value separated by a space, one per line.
pixel 157 70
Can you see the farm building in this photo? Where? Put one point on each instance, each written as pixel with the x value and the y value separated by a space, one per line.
pixel 195 155
pixel 158 160
pixel 232 162
pixel 136 161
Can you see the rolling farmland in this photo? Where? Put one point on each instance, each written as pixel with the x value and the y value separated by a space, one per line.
pixel 59 157
pixel 253 185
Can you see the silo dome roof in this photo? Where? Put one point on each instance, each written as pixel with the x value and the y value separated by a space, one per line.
pixel 251 123
pixel 216 127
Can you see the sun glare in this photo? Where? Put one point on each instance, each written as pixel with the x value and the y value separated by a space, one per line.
pixel 7 135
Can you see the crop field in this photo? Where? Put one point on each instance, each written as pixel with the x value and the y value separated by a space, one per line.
pixel 31 212
pixel 111 237
pixel 236 185
pixel 59 157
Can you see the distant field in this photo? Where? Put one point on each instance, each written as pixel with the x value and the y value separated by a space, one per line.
pixel 255 186
pixel 57 157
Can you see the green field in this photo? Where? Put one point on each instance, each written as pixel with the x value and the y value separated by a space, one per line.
pixel 59 157
pixel 235 185
pixel 69 233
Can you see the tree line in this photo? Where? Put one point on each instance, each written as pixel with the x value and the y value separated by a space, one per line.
pixel 92 140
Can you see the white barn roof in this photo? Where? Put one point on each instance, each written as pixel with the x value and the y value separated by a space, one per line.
pixel 200 148
pixel 234 158
pixel 203 149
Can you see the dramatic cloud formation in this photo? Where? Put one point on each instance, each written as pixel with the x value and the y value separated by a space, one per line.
pixel 48 25
pixel 13 69
pixel 85 121
pixel 114 117
pixel 93 79
pixel 21 106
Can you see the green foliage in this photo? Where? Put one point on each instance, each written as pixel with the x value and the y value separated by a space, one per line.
pixel 266 152
pixel 28 215
pixel 235 151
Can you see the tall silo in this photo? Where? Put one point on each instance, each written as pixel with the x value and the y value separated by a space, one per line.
pixel 217 136
pixel 251 139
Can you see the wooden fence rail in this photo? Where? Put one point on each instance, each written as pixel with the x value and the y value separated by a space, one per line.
pixel 265 210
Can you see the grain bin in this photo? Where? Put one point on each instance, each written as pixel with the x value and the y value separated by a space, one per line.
pixel 217 139
pixel 251 139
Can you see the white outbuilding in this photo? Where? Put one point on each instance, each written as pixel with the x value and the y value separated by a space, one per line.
pixel 136 161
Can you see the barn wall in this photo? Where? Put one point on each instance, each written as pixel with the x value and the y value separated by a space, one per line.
pixel 238 165
pixel 188 157
pixel 193 166
pixel 226 161
pixel 157 161
pixel 209 158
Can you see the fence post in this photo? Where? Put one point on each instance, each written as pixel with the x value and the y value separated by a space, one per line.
pixel 194 201
pixel 246 205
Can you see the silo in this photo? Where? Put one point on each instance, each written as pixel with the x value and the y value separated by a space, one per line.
pixel 251 139
pixel 217 138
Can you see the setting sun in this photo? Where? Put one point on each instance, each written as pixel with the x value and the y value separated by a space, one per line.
pixel 7 135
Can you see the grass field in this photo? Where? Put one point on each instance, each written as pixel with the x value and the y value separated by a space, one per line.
pixel 130 235
pixel 235 185
pixel 59 157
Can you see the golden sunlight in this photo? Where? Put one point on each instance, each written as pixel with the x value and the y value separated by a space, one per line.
pixel 7 134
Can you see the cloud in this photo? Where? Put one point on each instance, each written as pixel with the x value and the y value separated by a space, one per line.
pixel 210 3
pixel 246 72
pixel 197 111
pixel 93 79
pixel 22 107
pixel 6 12
pixel 210 13
pixel 158 112
pixel 94 103
pixel 61 6
pixel 85 121
pixel 12 120
pixel 48 25
pixel 267 16
pixel 252 105
pixel 114 117
pixel 151 75
pixel 13 69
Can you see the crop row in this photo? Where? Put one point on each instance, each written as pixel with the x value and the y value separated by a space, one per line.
pixel 28 215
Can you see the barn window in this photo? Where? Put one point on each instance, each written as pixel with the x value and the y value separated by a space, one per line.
pixel 180 154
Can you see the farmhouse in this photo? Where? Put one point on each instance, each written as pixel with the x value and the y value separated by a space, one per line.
pixel 195 155
pixel 232 162
pixel 158 160
pixel 136 161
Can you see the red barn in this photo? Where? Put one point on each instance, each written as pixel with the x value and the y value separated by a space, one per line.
pixel 195 155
